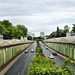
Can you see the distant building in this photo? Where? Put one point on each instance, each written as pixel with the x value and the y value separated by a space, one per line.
pixel 1 37
pixel 70 34
pixel 42 34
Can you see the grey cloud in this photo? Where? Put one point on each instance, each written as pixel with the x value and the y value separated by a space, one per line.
pixel 61 21
pixel 29 7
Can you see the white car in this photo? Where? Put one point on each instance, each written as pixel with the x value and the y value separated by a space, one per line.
pixel 32 50
pixel 50 56
pixel 26 51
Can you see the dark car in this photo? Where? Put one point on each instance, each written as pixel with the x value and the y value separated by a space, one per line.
pixel 26 51
pixel 46 47
pixel 54 53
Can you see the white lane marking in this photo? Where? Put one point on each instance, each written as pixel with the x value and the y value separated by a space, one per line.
pixel 19 73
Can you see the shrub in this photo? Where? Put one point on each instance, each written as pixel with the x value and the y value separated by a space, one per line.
pixel 38 44
pixel 67 66
pixel 39 49
pixel 45 66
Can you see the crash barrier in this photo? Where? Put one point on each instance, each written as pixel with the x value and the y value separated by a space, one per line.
pixel 64 48
pixel 8 53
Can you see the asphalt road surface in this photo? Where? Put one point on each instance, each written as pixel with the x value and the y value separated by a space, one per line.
pixel 22 64
pixel 58 60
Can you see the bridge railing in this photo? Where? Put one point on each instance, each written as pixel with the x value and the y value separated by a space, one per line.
pixel 64 45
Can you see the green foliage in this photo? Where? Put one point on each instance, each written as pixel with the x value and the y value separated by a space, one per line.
pixel 37 38
pixel 57 32
pixel 67 66
pixel 67 62
pixel 9 32
pixel 45 66
pixel 61 33
pixel 6 23
pixel 3 29
pixel 66 29
pixel 39 49
pixel 38 44
pixel 29 38
pixel 22 30
pixel 73 28
pixel 40 66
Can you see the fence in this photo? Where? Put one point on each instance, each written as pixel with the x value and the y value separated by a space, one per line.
pixel 64 45
pixel 8 53
pixel 66 49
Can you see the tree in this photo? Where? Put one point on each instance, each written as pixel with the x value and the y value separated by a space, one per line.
pixel 29 38
pixel 57 32
pixel 9 32
pixel 73 28
pixel 66 29
pixel 8 28
pixel 22 30
pixel 14 32
pixel 62 33
pixel 6 23
pixel 2 29
pixel 39 37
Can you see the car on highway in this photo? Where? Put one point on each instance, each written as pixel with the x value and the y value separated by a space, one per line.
pixel 50 56
pixel 32 50
pixel 26 51
pixel 46 47
pixel 54 53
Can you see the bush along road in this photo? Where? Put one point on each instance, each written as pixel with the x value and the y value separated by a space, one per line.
pixel 44 66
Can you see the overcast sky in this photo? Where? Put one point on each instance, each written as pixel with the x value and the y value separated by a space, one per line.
pixel 39 15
